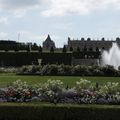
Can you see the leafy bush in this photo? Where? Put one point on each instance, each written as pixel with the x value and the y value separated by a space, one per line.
pixel 53 70
pixel 30 69
pixel 78 70
pixel 109 70
pixel 109 88
pixel 24 69
pixel 8 70
pixel 65 70
pixel 54 90
pixel 83 84
pixel 18 91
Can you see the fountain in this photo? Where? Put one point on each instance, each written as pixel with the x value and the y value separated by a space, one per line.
pixel 112 57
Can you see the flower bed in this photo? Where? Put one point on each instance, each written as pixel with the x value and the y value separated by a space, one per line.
pixel 84 92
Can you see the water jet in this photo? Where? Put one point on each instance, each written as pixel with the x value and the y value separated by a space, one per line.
pixel 111 57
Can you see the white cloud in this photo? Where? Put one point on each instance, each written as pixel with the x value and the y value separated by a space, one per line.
pixel 18 7
pixel 18 4
pixel 63 7
pixel 57 7
pixel 80 7
pixel 19 13
pixel 3 20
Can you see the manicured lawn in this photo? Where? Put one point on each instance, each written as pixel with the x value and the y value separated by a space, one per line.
pixel 45 104
pixel 6 79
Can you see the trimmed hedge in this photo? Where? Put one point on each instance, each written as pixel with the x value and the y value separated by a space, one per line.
pixel 22 111
pixel 56 58
pixel 27 58
pixel 69 70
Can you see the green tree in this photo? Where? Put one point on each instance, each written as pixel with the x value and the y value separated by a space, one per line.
pixel 34 46
pixel 52 49
pixel 64 49
pixel 40 49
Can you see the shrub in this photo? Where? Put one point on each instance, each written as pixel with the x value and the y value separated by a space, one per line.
pixel 50 91
pixel 69 93
pixel 44 70
pixel 53 70
pixel 79 70
pixel 65 70
pixel 109 70
pixel 109 88
pixel 18 91
pixel 83 84
pixel 8 70
pixel 54 90
pixel 24 69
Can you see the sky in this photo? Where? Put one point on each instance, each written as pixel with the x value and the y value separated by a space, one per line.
pixel 32 20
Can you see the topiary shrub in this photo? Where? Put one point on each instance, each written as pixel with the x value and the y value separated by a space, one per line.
pixel 53 70
pixel 79 70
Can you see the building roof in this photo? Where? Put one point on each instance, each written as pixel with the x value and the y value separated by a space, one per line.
pixel 48 43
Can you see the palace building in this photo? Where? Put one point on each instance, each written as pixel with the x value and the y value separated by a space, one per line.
pixel 48 43
pixel 84 51
pixel 91 44
pixel 83 44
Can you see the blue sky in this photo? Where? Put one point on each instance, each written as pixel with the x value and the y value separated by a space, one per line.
pixel 35 19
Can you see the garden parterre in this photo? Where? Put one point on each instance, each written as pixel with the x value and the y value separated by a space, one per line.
pixel 53 91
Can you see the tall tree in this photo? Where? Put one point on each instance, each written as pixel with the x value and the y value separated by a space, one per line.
pixel 40 49
pixel 52 49
pixel 64 49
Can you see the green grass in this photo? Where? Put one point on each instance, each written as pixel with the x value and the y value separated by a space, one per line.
pixel 6 79
pixel 43 104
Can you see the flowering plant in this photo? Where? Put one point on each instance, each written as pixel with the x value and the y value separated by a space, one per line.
pixel 109 88
pixel 18 91
pixel 53 91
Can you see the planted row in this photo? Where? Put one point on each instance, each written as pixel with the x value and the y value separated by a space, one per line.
pixel 84 92
pixel 69 70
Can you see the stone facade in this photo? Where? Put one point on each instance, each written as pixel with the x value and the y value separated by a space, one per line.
pixel 87 62
pixel 83 44
pixel 84 51
pixel 48 43
pixel 91 45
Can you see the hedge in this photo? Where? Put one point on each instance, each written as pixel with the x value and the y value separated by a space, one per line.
pixel 26 111
pixel 27 58
pixel 69 70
